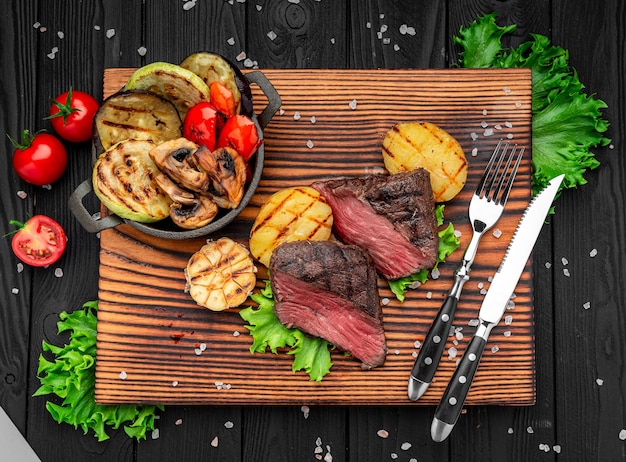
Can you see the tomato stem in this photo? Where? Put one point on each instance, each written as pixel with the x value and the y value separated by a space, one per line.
pixel 65 109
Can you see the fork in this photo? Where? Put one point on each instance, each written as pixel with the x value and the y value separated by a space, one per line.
pixel 485 209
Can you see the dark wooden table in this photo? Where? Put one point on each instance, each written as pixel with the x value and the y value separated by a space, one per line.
pixel 580 410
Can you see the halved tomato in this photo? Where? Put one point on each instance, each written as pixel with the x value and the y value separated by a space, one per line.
pixel 240 133
pixel 39 242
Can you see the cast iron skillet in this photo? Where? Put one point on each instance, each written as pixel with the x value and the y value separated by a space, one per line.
pixel 166 228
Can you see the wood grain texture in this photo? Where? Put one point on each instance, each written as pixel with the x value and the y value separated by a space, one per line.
pixel 149 328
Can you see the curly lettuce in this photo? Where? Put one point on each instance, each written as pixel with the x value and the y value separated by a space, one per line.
pixel 566 122
pixel 71 377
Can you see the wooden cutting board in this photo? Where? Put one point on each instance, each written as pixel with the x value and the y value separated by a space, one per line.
pixel 155 345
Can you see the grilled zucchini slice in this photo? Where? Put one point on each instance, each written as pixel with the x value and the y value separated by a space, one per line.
pixel 124 180
pixel 291 214
pixel 410 145
pixel 139 115
pixel 220 275
pixel 213 68
pixel 181 86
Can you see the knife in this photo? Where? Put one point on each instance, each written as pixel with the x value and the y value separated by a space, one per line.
pixel 500 291
pixel 14 445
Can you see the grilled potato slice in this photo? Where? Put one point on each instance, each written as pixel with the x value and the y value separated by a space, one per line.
pixel 213 68
pixel 138 115
pixel 409 145
pixel 291 214
pixel 174 83
pixel 124 180
pixel 220 275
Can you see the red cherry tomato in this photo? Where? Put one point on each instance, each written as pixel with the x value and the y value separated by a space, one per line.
pixel 39 159
pixel 240 133
pixel 71 115
pixel 39 242
pixel 200 125
pixel 222 98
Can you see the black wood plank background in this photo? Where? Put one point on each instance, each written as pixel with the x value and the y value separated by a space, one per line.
pixel 48 45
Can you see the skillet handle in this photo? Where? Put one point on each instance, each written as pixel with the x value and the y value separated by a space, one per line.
pixel 273 98
pixel 83 215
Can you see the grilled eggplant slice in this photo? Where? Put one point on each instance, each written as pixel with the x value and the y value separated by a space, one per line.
pixel 139 115
pixel 124 180
pixel 212 67
pixel 181 86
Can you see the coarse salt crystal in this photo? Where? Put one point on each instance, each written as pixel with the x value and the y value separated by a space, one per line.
pixel 508 319
pixel 353 104
pixel 271 35
pixel 123 375
pixel 510 431
pixel 189 5
pixel 305 411
pixel 497 127
pixel 488 132
pixel 15 291
pixel 586 305
pixel 296 115
pixel 473 322
pixel 61 34
pixel 600 382
pixel 529 429
pixel 96 27
pixel 214 442
pixel 236 333
pixel 155 434
pixel 406 446
pixel 474 136
pixel 484 124
pixel 241 56
pixel 36 25
pixel 497 233
pixel 435 273
pixel 383 433
pixel 557 448
pixel 310 144
pixel 394 456
pixel 313 119
pixel 506 90
pixel 178 422
pixel 452 352
pixel 548 265
pixel 229 424
pixel 564 261
pixel 622 434
pixel 259 7
pixel 593 253
pixel 566 272
pixel 417 344
pixel 110 33
pixel 175 383
pixel 385 301
pixel 495 349
pixel 22 194
pixel 142 51
pixel 474 152
pixel 19 267
pixel 510 136
pixel 332 40
pixel 506 333
pixel 429 295
pixel 485 112
pixel 231 41
pixel 58 272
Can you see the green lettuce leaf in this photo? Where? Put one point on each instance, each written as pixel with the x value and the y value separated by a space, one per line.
pixel 566 122
pixel 311 354
pixel 448 243
pixel 71 378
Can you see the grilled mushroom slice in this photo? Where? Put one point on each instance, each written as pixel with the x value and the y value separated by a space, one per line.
pixel 227 172
pixel 172 159
pixel 188 210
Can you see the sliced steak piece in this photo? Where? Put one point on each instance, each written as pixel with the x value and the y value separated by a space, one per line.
pixel 330 290
pixel 392 216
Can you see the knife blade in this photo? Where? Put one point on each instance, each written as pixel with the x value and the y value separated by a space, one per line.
pixel 14 445
pixel 494 304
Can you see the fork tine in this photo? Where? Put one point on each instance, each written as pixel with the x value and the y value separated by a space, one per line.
pixel 511 177
pixel 490 173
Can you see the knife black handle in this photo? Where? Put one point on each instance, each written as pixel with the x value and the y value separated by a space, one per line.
pixel 453 398
pixel 435 342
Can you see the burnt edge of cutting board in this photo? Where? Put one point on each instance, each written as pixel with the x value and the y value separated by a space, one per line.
pixel 173 352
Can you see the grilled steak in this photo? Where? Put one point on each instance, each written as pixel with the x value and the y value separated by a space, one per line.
pixel 392 216
pixel 330 290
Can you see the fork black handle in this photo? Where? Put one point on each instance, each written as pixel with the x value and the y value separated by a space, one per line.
pixel 430 353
